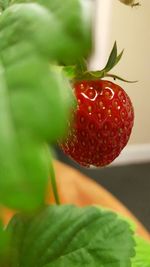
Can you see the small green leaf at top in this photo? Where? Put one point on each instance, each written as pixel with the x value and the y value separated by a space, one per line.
pixel 69 236
pixel 113 59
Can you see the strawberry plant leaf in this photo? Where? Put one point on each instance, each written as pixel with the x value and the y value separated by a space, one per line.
pixel 76 24
pixel 4 4
pixel 2 237
pixel 4 242
pixel 34 105
pixel 75 40
pixel 24 161
pixel 142 257
pixel 35 97
pixel 42 28
pixel 119 57
pixel 112 58
pixel 69 236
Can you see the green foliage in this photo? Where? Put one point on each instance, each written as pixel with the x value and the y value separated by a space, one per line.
pixel 69 236
pixel 81 72
pixel 113 59
pixel 2 237
pixel 142 257
pixel 4 241
pixel 4 4
pixel 42 44
pixel 74 23
pixel 36 96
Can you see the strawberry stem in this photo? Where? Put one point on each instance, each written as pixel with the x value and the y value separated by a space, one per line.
pixel 54 184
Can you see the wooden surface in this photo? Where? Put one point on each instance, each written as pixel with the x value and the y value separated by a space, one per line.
pixel 78 189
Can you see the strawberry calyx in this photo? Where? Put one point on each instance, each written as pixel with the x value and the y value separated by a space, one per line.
pixel 80 72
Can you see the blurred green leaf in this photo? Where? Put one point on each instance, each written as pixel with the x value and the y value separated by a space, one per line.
pixel 73 19
pixel 4 4
pixel 68 236
pixel 36 96
pixel 23 169
pixel 142 257
pixel 4 243
pixel 27 28
pixel 35 103
pixel 70 72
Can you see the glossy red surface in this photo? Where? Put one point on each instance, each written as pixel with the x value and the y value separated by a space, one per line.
pixel 102 123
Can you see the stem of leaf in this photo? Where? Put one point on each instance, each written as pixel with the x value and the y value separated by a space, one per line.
pixel 54 184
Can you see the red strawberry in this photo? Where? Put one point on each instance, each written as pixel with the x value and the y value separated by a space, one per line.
pixel 102 123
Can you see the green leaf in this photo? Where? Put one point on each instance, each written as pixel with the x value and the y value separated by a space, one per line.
pixel 24 163
pixel 4 4
pixel 24 170
pixel 4 242
pixel 40 96
pixel 142 257
pixel 2 237
pixel 42 28
pixel 69 236
pixel 112 58
pixel 74 39
pixel 35 102
pixel 119 57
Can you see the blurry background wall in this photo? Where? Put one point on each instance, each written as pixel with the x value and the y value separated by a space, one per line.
pixel 130 27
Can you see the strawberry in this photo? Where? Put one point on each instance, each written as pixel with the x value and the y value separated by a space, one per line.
pixel 104 117
pixel 102 123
